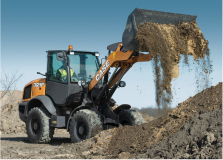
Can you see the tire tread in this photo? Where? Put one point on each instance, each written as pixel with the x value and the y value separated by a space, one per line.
pixel 48 131
pixel 92 118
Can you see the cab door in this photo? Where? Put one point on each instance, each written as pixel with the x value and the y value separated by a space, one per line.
pixel 57 81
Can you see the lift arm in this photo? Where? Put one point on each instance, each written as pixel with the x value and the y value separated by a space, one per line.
pixel 122 61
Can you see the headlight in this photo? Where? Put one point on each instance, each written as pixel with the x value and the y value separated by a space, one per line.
pixel 81 83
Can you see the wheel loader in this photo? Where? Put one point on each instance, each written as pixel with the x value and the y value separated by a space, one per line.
pixel 76 94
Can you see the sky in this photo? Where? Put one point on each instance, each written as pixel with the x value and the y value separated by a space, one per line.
pixel 29 28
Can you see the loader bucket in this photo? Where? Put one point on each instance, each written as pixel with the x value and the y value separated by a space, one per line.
pixel 140 16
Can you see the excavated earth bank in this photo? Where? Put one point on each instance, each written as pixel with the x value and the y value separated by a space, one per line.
pixel 136 139
pixel 166 43
pixel 191 130
pixel 199 138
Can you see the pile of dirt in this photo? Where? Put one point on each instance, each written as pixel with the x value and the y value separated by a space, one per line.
pixel 166 43
pixel 135 139
pixel 146 118
pixel 9 97
pixel 199 138
pixel 10 121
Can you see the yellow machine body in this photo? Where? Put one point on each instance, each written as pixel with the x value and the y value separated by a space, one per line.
pixel 36 87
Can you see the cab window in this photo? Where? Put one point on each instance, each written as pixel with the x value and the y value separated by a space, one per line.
pixel 57 70
pixel 84 66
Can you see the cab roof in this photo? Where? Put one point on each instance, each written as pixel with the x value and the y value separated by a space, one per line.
pixel 72 51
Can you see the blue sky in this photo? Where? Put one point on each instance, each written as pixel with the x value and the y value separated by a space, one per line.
pixel 31 27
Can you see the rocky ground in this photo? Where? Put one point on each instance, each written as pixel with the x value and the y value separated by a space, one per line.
pixel 192 130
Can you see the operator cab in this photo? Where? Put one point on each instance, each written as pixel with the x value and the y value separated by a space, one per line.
pixel 65 69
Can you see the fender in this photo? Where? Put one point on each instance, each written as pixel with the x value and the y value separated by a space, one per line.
pixel 79 108
pixel 46 101
pixel 121 107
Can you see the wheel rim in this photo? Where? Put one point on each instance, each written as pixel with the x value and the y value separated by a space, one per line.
pixel 81 129
pixel 35 125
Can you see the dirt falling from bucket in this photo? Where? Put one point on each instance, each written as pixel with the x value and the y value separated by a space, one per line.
pixel 166 44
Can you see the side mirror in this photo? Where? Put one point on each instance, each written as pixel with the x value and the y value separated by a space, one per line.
pixel 41 74
pixel 60 56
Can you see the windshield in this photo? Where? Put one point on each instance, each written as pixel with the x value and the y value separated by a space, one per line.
pixel 83 66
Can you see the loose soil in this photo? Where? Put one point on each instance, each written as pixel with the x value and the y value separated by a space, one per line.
pixel 134 141
pixel 199 138
pixel 166 43
pixel 9 98
pixel 10 121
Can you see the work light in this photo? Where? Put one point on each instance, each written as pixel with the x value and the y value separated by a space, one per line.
pixel 81 83
pixel 122 84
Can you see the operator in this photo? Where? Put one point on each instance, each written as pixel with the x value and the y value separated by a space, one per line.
pixel 62 72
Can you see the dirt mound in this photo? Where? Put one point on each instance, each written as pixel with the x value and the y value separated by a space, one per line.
pixel 9 98
pixel 199 138
pixel 10 121
pixel 135 139
pixel 146 118
pixel 166 43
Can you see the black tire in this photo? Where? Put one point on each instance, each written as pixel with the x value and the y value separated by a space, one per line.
pixel 38 126
pixel 130 117
pixel 84 124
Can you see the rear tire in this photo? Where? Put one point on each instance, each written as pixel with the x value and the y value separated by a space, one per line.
pixel 130 117
pixel 84 124
pixel 38 126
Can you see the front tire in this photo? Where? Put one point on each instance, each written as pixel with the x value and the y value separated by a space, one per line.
pixel 84 124
pixel 130 117
pixel 38 126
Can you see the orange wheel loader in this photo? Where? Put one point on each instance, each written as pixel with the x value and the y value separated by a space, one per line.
pixel 77 92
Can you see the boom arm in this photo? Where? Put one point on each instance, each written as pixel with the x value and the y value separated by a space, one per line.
pixel 122 62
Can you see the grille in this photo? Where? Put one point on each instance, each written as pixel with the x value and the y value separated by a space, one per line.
pixel 27 92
